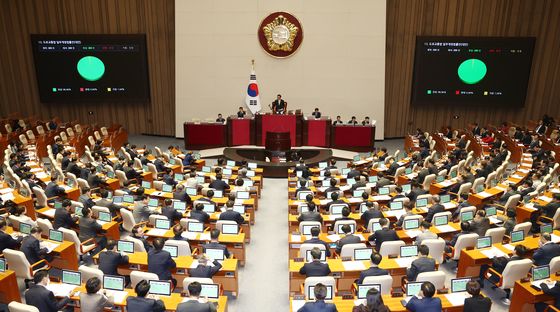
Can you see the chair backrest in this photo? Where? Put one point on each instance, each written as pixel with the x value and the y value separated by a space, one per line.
pixel 400 171
pixel 490 179
pixel 122 177
pixel 348 249
pixel 340 223
pixel 137 164
pixel 138 245
pixel 97 209
pixel 385 281
pixel 428 181
pixel 496 233
pixel 220 224
pixel 91 141
pixel 83 183
pixel 15 306
pixel 464 241
pixel 152 168
pixel 88 273
pixel 71 176
pixel 309 223
pixel 153 217
pixel 514 271
pixel 158 185
pixel 40 130
pixel 554 265
pixel 158 151
pixel 454 168
pixel 30 135
pixel 525 226
pixel 512 201
pixel 188 280
pixel 23 139
pixel 71 236
pixel 436 277
pixel 70 132
pixel 312 281
pixel 137 276
pixel 128 219
pixel 183 247
pixel 556 219
pixel 305 247
pixel 371 222
pixel 476 183
pixel 391 248
pixel 78 128
pixel 44 224
pixel 18 263
pixel 437 248
pixel 41 197
pixel 104 131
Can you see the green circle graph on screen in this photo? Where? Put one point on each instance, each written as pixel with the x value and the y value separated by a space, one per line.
pixel 91 68
pixel 472 71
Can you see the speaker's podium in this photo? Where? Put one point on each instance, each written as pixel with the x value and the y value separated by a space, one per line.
pixel 279 123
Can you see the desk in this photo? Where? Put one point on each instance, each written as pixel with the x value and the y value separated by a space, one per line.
pixel 204 135
pixel 241 131
pixel 278 123
pixel 111 229
pixel 526 296
pixel 9 290
pixel 355 138
pixel 317 132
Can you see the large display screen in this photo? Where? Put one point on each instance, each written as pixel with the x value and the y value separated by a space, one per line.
pixel 472 70
pixel 74 68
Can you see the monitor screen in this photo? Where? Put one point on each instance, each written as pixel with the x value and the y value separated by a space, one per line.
pixel 218 194
pixel 459 284
pixel 467 216
pixel 517 236
pixel 372 179
pixel 408 171
pixel 472 70
pixel 323 165
pixel 55 235
pixel 345 171
pixel 309 258
pixel 251 173
pixel 104 216
pixel 113 282
pixel 445 198
pixel 200 180
pixel 364 288
pixel 396 205
pixel 226 172
pixel 311 292
pixel 230 228
pixel 440 179
pixel 484 242
pixel 230 163
pixel 252 165
pixel 540 272
pixel 110 174
pixel 441 220
pixel 307 229
pixel 206 169
pixel 117 200
pixel 376 226
pixel 25 228
pixel 411 224
pixel 167 188
pixel 480 188
pixel 209 208
pixel 210 291
pixel 2 265
pixel 172 250
pixel 409 251
pixel 78 211
pixel 546 228
pixel 240 208
pixel 153 202
pixel 125 246
pixel 178 177
pixel 422 202
pixel 358 193
pixel 163 224
pixel 339 228
pixel 303 194
pixel 350 181
pixel 362 253
pixel 162 288
pixel 406 188
pixel 337 209
pixel 491 211
pixel 356 158
pixel 146 184
pixel 412 289
pixel 383 191
pixel 91 68
pixel 57 204
pixel 179 205
pixel 145 168
pixel 195 227
pixel 71 277
pixel 191 191
pixel 242 195
pixel 129 199
pixel 215 253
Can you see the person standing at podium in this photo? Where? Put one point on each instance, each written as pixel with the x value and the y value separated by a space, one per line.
pixel 241 113
pixel 316 113
pixel 279 106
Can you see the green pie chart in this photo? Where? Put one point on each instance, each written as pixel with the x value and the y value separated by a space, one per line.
pixel 472 71
pixel 91 68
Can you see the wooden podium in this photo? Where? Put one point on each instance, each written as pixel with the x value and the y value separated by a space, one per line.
pixel 278 141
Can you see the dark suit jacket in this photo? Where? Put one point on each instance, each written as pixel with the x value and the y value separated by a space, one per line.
pixel 353 173
pixel 371 214
pixel 477 304
pixel 383 235
pixel 215 245
pixel 422 175
pixel 205 270
pixel 160 263
pixel 31 248
pixel 43 299
pixel 543 255
pixel 182 196
pixel 139 304
pixel 88 228
pixel 109 262
pixel 316 240
pixel 415 193
pixel 160 165
pixel 194 306
pixel 168 179
pixel 53 190
pixel 554 291
pixel 318 306
pixel 372 271
pixel 219 185
pixel 348 239
pixel 232 216
pixel 310 216
pixel 62 218
pixel 480 226
pixel 420 265
pixel 201 216
pixel 171 213
pixel 424 304
pixel 433 210
pixel 315 268
pixel 549 209
pixel 6 241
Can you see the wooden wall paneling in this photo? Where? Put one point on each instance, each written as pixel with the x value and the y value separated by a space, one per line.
pixel 406 19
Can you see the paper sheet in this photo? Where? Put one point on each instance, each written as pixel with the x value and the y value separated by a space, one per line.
pixel 548 283
pixel 382 198
pixel 297 304
pixel 49 245
pixel 405 262
pixel 545 198
pixel 190 235
pixel 353 265
pixel 61 290
pixel 6 190
pixel 445 228
pixel 449 205
pixel 156 232
pixel 509 247
pixel 413 233
pixel 484 194
pixel 457 299
pixel 49 212
pixel 333 237
pixel 8 196
pixel 492 252
pixel 119 296
pixel 295 238
pixel 395 213
pixel 354 200
pixel 204 236
pixel 555 238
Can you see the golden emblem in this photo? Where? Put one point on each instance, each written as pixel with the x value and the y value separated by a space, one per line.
pixel 280 34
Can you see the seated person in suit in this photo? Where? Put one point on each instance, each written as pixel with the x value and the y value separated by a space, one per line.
pixel 170 212
pixel 347 239
pixel 374 302
pixel 110 259
pixel 160 261
pixel 302 186
pixel 315 267
pixel 319 305
pixel 416 191
pixel 311 214
pixel 334 201
pixel 231 214
pixel 241 113
pixel 354 173
pixel 63 217
pixel 316 113
pixel 422 264
pixel 549 209
pixel 105 202
pixel 215 244
pixel 332 187
pixel 554 292
pixel 93 300
pixel 178 230
pixel 382 180
pixel 366 121
pixel 408 212
pixel 426 233
pixel 203 269
pixel 384 235
pixel 547 250
pixel 499 264
pixel 195 303
pixel 279 105
pixel 373 212
pixel 425 300
pixel 465 229
pixel 220 118
pixel 480 224
pixel 144 302
pixel 435 208
pixel 85 198
pixel 511 190
pixel 138 233
pixel 477 303
pixel 374 269
pixel 219 184
pixel 141 210
pixel 240 187
pixel 53 190
pixel 167 177
pixel 345 215
pixel 353 121
pixel 305 173
pixel 338 121
pixel 31 248
pixel 40 297
pixel 6 240
pixel 315 231
pixel 89 229
pixel 199 214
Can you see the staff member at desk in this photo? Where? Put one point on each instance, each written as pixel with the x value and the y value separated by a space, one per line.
pixel 215 244
pixel 43 299
pixel 426 302
pixel 374 269
pixel 63 218
pixel 203 269
pixel 315 267
pixel 31 247
pixel 422 264
pixel 89 228
pixel 384 235
pixel 160 262
pixel 110 259
pixel 6 240
pixel 141 303
pixel 231 214
pixel 348 238
pixel 194 303
pixel 319 305
pixel 547 250
pixel 93 300
pixel 315 231
pixel 477 303
pixel 279 106
pixel 241 113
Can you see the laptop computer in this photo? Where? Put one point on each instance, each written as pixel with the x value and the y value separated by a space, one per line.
pixel 173 250
pixel 363 289
pixel 339 228
pixel 309 258
pixel 459 284
pixel 396 205
pixel 517 236
pixel 163 224
pixel 421 203
pixel 311 292
pixel 210 291
pixel 411 224
pixel 71 277
pixel 441 220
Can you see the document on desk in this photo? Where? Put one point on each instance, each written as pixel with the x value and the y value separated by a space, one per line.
pixel 354 200
pixel 545 198
pixel 382 198
pixel 156 232
pixel 516 176
pixel 449 205
pixel 295 238
pixel 494 220
pixel 530 206
pixel 395 213
pixel 6 190
pixel 49 212
pixel 493 252
pixel 333 237
pixel 353 265
pixel 484 194
pixel 446 183
pixel 499 188
pixel 204 236
pixel 446 228
pixel 554 190
pixel 412 233
pixel 457 299
pixel 66 187
pixel 41 175
pixel 190 235
pixel 6 197
pixel 548 283
pixel 323 202
pixel 509 247
pixel 49 245
pixel 405 262
pixel 119 296
pixel 555 238
pixel 297 304
pixel 61 290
